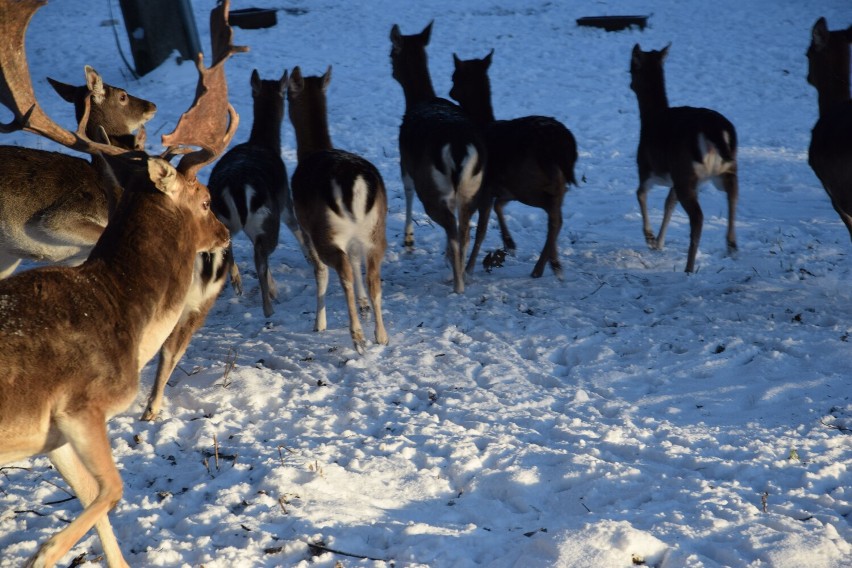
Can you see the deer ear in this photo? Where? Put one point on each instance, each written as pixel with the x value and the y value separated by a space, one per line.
pixel 665 51
pixel 820 33
pixel 487 58
pixel 66 91
pixel 636 56
pixel 427 33
pixel 255 82
pixel 163 175
pixel 283 83
pixel 96 85
pixel 396 37
pixel 297 83
pixel 326 78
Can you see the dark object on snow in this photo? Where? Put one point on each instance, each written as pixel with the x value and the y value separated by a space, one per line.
pixel 494 259
pixel 613 23
pixel 253 18
pixel 155 28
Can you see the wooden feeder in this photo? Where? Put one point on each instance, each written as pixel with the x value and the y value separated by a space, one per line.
pixel 613 23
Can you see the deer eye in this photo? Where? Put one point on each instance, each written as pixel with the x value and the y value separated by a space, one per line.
pixel 122 97
pixel 206 205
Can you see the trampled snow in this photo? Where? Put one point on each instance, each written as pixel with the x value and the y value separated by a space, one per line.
pixel 629 414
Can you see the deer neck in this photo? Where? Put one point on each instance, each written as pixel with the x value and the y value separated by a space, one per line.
pixel 480 109
pixel 310 123
pixel 652 99
pixel 266 129
pixel 417 85
pixel 835 90
pixel 128 258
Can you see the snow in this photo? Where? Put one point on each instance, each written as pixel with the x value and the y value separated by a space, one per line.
pixel 629 414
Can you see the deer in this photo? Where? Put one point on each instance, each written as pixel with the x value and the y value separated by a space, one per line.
pixel 530 159
pixel 341 204
pixel 250 188
pixel 53 206
pixel 680 147
pixel 210 268
pixel 442 153
pixel 75 338
pixel 830 150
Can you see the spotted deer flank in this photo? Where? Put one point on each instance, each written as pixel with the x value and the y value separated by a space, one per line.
pixel 341 205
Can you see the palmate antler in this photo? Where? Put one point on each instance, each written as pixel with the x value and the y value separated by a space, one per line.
pixel 211 114
pixel 209 124
pixel 16 89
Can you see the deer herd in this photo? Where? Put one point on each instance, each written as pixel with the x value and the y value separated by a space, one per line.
pixel 76 337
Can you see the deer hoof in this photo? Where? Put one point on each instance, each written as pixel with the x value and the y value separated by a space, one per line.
pixel 149 415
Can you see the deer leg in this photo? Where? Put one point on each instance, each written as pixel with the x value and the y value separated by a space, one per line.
pixel 85 487
pixel 689 200
pixel 236 280
pixel 87 436
pixel 374 285
pixel 481 228
pixel 343 266
pixel 671 203
pixel 264 244
pixel 550 251
pixel 408 185
pixel 321 275
pixel 360 291
pixel 466 211
pixel 642 197
pixel 288 216
pixel 730 186
pixel 171 352
pixel 508 241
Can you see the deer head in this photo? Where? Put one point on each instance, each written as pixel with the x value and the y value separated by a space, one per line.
pixel 115 110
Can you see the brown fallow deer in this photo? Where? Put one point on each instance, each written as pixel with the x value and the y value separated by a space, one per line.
pixel 75 338
pixel 211 267
pixel 249 186
pixel 830 153
pixel 530 159
pixel 53 207
pixel 442 154
pixel 680 147
pixel 341 205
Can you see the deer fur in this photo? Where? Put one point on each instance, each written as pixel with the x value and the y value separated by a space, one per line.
pixel 680 147
pixel 341 204
pixel 75 338
pixel 442 154
pixel 250 188
pixel 830 151
pixel 531 160
pixel 53 206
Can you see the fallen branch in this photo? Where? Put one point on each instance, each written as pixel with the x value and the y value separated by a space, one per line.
pixel 318 548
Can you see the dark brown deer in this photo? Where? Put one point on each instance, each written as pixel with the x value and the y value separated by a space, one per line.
pixel 530 159
pixel 341 204
pixel 442 154
pixel 250 188
pixel 680 147
pixel 53 207
pixel 75 338
pixel 830 152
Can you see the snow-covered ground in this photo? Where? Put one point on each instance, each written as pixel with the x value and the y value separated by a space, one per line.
pixel 629 414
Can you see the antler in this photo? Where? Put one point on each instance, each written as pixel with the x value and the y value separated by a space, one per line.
pixel 16 88
pixel 211 121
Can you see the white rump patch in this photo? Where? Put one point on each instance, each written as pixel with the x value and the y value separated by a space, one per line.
pixel 352 231
pixel 712 164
